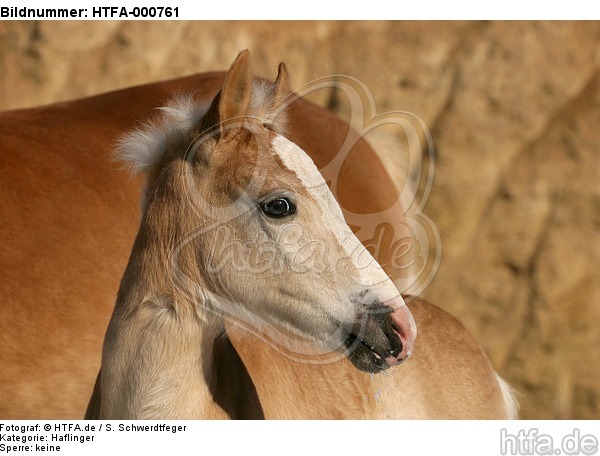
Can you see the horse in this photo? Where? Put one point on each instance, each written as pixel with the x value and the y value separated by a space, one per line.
pixel 219 176
pixel 69 218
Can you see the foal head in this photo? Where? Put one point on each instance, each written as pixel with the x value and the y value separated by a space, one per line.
pixel 248 228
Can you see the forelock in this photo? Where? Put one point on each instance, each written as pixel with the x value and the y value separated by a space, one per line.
pixel 142 149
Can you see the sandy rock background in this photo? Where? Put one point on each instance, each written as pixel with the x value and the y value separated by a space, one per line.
pixel 514 110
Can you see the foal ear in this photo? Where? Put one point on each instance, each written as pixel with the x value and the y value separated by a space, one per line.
pixel 237 91
pixel 281 88
pixel 279 100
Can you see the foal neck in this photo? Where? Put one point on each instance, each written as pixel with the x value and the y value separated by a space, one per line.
pixel 158 358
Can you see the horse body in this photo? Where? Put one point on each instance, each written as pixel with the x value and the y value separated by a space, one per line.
pixel 60 268
pixel 447 377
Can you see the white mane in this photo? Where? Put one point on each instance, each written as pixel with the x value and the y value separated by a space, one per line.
pixel 141 149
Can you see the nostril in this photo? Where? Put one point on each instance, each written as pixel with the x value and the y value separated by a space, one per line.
pixel 396 345
pixel 395 352
pixel 402 323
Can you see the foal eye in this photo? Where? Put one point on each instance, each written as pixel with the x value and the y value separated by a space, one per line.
pixel 278 207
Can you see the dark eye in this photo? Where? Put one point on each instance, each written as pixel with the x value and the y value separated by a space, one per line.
pixel 278 207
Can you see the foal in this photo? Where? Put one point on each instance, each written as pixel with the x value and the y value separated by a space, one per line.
pixel 239 230
pixel 218 179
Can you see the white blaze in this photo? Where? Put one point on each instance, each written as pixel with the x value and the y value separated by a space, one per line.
pixel 332 224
